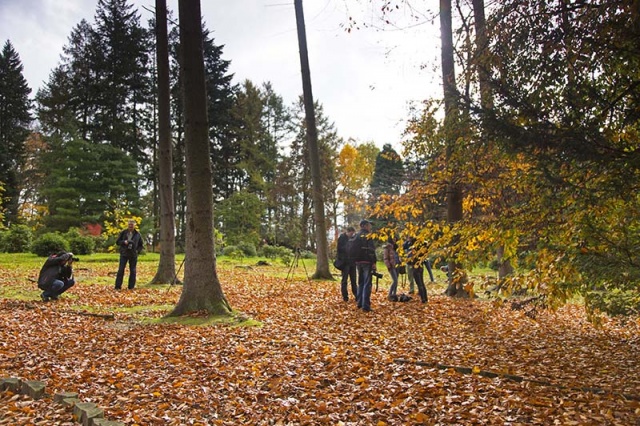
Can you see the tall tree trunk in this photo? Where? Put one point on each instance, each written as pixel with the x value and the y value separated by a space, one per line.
pixel 486 102
pixel 322 253
pixel 454 191
pixel 167 267
pixel 202 290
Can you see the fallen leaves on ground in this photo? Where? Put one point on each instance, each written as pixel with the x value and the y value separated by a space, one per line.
pixel 315 359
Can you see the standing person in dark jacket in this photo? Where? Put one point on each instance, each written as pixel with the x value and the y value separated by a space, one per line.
pixel 348 266
pixel 366 264
pixel 130 242
pixel 56 276
pixel 417 270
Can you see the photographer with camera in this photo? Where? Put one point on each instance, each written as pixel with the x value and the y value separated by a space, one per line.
pixel 130 242
pixel 56 275
pixel 364 254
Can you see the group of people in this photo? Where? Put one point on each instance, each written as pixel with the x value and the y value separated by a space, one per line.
pixel 56 275
pixel 358 269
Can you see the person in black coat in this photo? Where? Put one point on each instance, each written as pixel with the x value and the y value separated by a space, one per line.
pixel 130 242
pixel 56 276
pixel 347 264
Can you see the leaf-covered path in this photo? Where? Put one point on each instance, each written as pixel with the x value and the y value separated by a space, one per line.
pixel 315 360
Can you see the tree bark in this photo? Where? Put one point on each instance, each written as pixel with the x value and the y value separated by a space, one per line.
pixel 486 102
pixel 322 253
pixel 202 290
pixel 454 191
pixel 167 266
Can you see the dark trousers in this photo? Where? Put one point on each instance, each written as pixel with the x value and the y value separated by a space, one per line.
pixel 348 274
pixel 58 287
pixel 364 286
pixel 418 277
pixel 133 262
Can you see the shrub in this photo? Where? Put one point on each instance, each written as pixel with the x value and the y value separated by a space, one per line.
pixel 249 249
pixel 49 243
pixel 17 239
pixel 233 252
pixel 614 302
pixel 273 252
pixel 78 243
pixel 306 254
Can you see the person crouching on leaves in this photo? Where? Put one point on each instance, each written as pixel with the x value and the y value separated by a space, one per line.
pixel 56 276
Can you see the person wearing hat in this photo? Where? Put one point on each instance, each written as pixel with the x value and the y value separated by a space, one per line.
pixel 365 259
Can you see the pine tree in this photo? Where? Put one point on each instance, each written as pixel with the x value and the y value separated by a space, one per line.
pixel 15 118
pixel 121 59
pixel 85 180
pixel 388 174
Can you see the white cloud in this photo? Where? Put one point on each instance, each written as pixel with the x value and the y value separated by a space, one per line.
pixel 364 79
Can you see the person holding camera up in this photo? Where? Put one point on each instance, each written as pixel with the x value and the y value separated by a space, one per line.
pixel 56 275
pixel 130 242
pixel 364 254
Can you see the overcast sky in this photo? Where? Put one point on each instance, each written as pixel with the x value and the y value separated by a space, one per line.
pixel 365 79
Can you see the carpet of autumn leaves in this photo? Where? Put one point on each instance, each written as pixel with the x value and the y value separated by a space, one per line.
pixel 314 360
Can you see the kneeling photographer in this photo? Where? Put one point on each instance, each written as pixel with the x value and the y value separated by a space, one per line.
pixel 56 275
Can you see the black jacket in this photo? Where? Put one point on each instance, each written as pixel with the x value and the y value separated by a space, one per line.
pixel 54 270
pixel 133 249
pixel 367 251
pixel 342 247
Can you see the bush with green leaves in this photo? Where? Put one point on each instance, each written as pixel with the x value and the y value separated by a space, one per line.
pixel 275 252
pixel 614 301
pixel 249 249
pixel 17 239
pixel 49 243
pixel 233 252
pixel 78 243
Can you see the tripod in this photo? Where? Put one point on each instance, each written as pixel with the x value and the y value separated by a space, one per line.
pixel 294 263
pixel 175 280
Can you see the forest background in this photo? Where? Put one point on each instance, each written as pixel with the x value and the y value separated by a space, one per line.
pixel 539 150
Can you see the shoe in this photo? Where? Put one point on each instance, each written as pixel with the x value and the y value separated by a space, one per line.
pixel 425 300
pixel 53 297
pixel 44 298
pixel 367 310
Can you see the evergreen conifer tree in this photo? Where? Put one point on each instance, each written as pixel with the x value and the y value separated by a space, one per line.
pixel 15 118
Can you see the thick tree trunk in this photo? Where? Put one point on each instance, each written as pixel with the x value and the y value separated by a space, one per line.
pixel 167 267
pixel 322 253
pixel 202 290
pixel 486 101
pixel 454 191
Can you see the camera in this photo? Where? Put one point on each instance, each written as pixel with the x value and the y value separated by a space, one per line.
pixel 75 259
pixel 376 274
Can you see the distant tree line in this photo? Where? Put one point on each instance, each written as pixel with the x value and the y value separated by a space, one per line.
pixel 92 155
